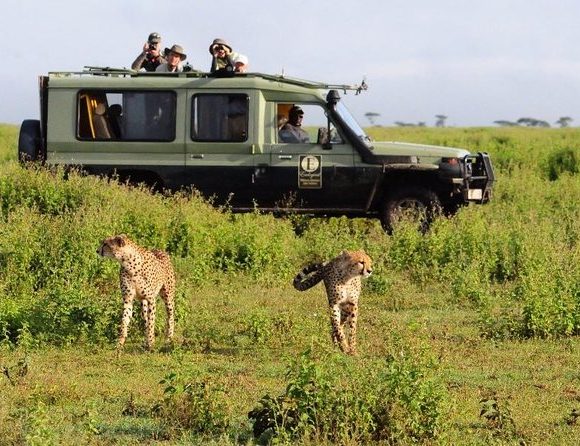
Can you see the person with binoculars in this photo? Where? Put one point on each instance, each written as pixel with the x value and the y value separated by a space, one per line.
pixel 150 58
pixel 225 60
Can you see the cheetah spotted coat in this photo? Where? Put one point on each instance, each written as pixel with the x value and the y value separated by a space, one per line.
pixel 342 279
pixel 144 274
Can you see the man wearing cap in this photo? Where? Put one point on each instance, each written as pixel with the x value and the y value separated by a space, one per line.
pixel 151 56
pixel 292 131
pixel 224 59
pixel 173 56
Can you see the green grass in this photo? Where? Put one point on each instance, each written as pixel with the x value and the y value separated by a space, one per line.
pixel 482 312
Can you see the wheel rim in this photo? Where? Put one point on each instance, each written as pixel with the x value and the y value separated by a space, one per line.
pixel 410 209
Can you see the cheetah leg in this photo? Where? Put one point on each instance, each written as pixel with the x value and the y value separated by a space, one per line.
pixel 337 332
pixel 126 318
pixel 168 297
pixel 351 320
pixel 146 317
pixel 150 325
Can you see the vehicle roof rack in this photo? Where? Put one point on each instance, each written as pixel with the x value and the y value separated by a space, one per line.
pixel 112 71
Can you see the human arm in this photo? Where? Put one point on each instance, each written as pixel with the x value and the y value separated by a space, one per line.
pixel 138 62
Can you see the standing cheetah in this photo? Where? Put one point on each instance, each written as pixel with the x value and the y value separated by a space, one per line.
pixel 144 274
pixel 342 279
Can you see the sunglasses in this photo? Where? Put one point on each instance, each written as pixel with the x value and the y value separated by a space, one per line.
pixel 218 48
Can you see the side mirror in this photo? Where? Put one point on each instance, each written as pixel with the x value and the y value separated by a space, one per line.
pixel 323 138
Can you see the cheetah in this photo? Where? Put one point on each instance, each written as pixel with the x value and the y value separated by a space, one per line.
pixel 144 274
pixel 342 279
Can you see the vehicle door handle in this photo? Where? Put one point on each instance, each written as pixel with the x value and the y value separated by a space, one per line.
pixel 285 157
pixel 198 156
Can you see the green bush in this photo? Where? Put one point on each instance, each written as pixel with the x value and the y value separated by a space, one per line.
pixel 563 161
pixel 197 405
pixel 329 397
pixel 52 223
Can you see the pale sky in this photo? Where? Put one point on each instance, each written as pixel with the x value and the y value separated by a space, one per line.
pixel 473 61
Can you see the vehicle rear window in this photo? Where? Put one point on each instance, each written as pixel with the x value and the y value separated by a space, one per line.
pixel 219 117
pixel 126 115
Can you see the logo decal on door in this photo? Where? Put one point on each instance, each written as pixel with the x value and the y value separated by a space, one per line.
pixel 310 172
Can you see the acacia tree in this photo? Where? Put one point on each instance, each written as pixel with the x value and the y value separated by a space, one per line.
pixel 371 116
pixel 533 122
pixel 504 123
pixel 440 120
pixel 564 121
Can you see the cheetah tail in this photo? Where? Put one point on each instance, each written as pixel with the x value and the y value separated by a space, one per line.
pixel 305 279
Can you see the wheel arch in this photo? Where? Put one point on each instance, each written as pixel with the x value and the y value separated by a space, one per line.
pixel 394 181
pixel 420 196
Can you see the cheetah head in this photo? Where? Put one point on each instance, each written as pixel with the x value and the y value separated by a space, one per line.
pixel 358 263
pixel 114 247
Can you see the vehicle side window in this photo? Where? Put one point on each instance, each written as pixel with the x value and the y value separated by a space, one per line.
pixel 299 123
pixel 126 115
pixel 219 117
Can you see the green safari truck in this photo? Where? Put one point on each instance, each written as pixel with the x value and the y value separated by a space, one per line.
pixel 223 136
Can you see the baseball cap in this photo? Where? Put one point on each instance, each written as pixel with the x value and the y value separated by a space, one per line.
pixel 154 38
pixel 296 110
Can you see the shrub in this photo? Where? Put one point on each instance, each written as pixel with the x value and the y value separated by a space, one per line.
pixel 565 160
pixel 198 405
pixel 332 398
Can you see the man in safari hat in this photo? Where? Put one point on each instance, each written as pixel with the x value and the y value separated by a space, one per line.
pixel 174 57
pixel 150 58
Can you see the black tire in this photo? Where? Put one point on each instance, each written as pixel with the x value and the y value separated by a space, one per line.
pixel 416 203
pixel 29 141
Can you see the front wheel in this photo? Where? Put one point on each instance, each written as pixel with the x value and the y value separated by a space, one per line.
pixel 416 204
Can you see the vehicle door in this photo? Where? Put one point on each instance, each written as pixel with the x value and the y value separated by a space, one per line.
pixel 309 173
pixel 219 150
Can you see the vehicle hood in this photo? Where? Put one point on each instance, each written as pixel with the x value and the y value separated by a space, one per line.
pixel 423 152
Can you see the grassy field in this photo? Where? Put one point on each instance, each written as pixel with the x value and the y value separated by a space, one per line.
pixel 468 335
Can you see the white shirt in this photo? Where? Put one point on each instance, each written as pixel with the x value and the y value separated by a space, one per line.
pixel 164 68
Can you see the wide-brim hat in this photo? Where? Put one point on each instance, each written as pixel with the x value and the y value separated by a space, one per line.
pixel 177 49
pixel 219 42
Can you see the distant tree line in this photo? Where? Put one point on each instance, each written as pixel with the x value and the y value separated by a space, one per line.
pixel 440 122
pixel 563 121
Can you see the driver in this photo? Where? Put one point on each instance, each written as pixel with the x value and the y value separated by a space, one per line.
pixel 292 131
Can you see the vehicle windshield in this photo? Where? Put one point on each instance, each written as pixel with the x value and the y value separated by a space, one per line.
pixel 351 122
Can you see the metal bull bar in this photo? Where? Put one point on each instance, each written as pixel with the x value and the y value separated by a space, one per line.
pixel 478 177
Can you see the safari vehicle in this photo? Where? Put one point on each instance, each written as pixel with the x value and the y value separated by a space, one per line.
pixel 220 135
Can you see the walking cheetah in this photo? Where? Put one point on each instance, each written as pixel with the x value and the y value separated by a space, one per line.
pixel 144 274
pixel 342 279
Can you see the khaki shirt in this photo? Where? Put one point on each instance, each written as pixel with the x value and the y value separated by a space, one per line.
pixel 293 134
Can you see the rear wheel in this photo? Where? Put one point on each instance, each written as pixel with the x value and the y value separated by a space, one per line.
pixel 29 141
pixel 416 204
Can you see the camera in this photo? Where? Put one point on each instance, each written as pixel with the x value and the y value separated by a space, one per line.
pixel 152 47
